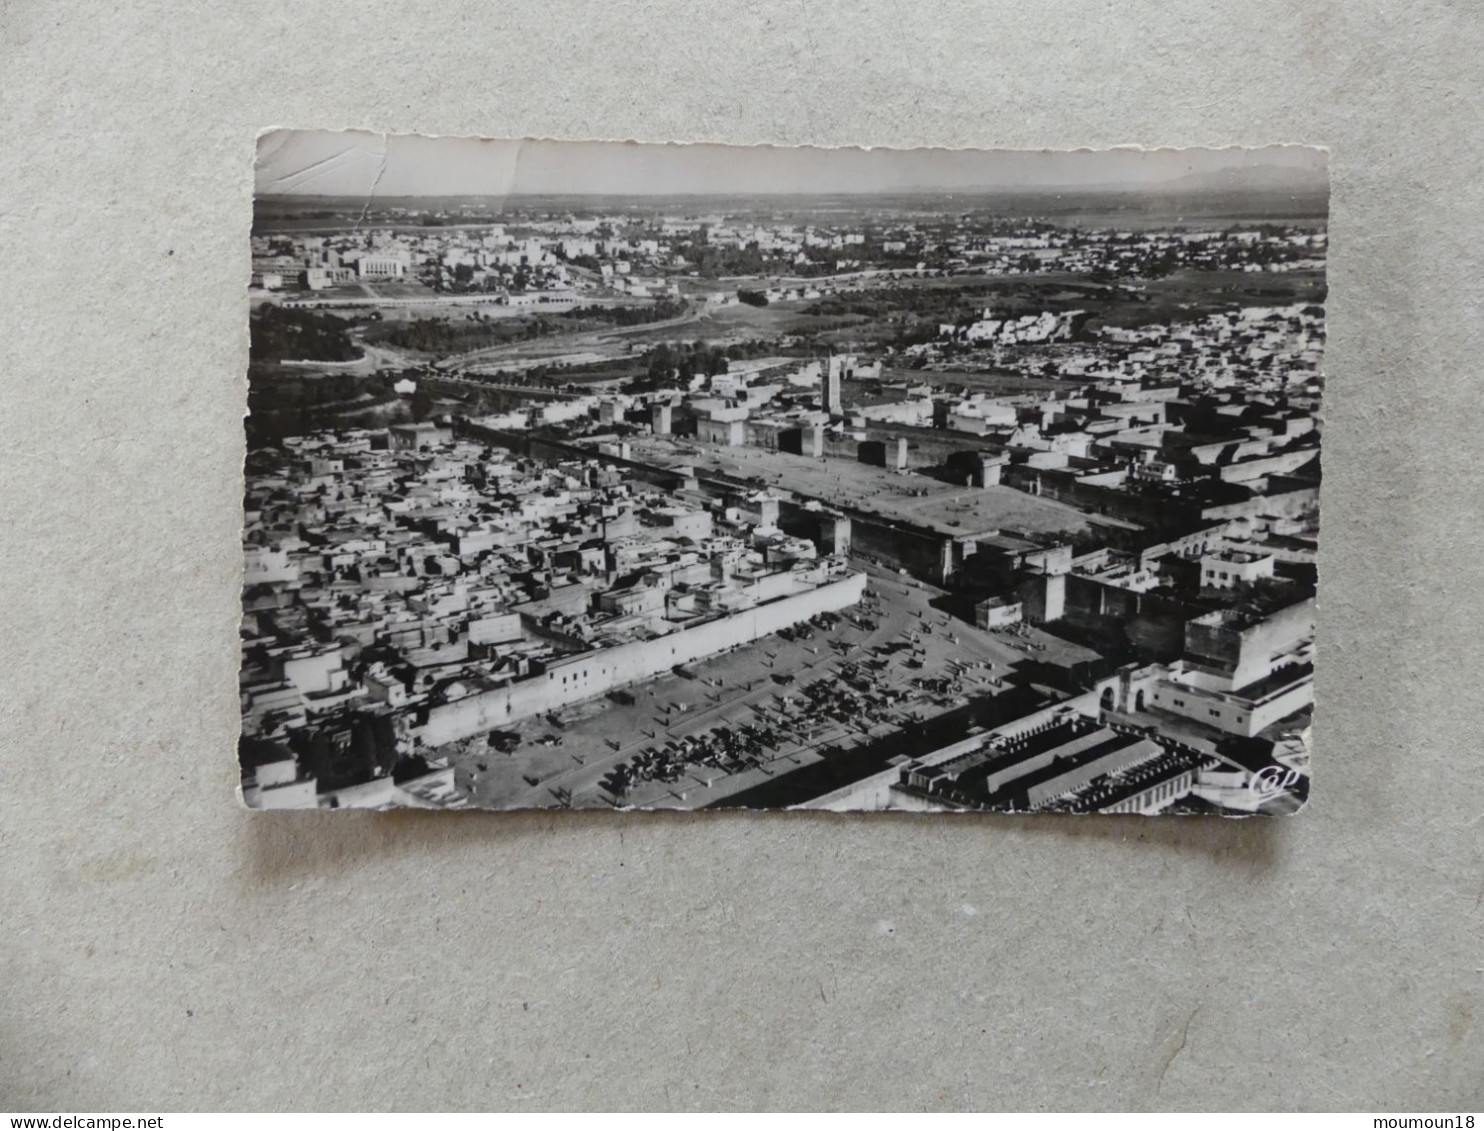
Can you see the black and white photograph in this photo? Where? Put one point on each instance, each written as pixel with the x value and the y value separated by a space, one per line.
pixel 602 475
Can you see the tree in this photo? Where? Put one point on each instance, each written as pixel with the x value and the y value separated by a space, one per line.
pixel 280 334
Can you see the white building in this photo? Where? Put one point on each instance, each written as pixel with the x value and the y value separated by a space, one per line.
pixel 381 267
pixel 1228 568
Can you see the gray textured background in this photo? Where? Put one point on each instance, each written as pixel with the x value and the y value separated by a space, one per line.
pixel 163 949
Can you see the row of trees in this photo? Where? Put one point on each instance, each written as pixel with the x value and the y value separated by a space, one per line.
pixel 664 309
pixel 442 336
pixel 685 361
pixel 279 334
pixel 670 363
pixel 291 392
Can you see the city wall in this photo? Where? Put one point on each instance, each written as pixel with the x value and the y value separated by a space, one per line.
pixel 1287 498
pixel 1165 515
pixel 491 396
pixel 590 674
pixel 1281 464
pixel 928 449
pixel 1151 621
pixel 922 554
pixel 536 447
pixel 801 522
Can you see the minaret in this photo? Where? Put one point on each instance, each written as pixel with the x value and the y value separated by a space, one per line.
pixel 832 369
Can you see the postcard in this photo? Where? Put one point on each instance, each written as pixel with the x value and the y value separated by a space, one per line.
pixel 603 475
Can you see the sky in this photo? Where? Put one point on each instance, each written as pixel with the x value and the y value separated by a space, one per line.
pixel 355 163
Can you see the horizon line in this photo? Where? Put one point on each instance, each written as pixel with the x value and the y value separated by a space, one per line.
pixel 1306 184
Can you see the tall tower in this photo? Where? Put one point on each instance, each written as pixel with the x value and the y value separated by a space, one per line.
pixel 816 441
pixel 834 534
pixel 833 367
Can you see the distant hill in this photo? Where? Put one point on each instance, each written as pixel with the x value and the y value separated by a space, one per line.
pixel 1250 178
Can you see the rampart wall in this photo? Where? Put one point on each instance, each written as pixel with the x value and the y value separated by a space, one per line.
pixel 590 674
